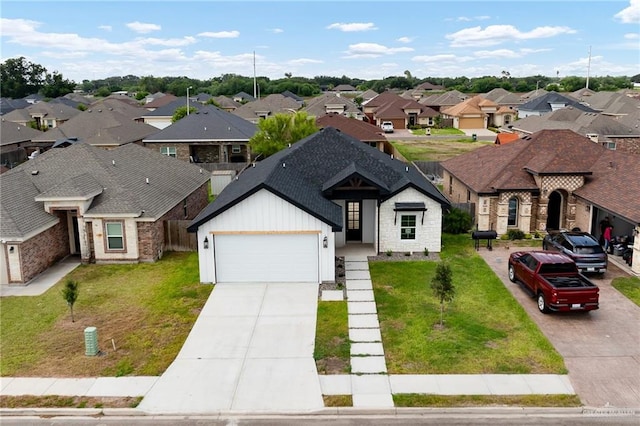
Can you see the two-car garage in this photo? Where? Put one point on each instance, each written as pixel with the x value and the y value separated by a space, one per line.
pixel 266 257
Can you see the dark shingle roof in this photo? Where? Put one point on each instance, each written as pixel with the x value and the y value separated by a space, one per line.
pixel 209 123
pixel 118 176
pixel 358 129
pixel 543 103
pixel 300 173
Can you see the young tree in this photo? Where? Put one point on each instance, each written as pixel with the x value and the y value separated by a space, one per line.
pixel 70 294
pixel 181 112
pixel 277 132
pixel 442 286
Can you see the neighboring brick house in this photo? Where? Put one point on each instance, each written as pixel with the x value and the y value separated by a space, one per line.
pixel 553 179
pixel 209 135
pixel 105 206
pixel 403 113
pixel 333 103
pixel 475 113
pixel 15 142
pixel 361 130
pixel 43 115
pixel 286 215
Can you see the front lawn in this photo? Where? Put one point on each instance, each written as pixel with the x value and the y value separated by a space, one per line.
pixel 486 330
pixel 142 312
pixel 435 149
pixel 629 286
pixel 438 132
pixel 332 348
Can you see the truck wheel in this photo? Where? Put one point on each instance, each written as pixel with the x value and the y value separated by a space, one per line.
pixel 542 304
pixel 512 274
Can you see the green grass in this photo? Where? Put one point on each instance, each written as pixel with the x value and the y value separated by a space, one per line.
pixel 486 330
pixel 145 310
pixel 332 348
pixel 439 132
pixel 435 149
pixel 422 400
pixel 629 286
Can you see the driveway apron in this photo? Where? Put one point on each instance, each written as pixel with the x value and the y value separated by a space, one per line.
pixel 251 349
pixel 601 349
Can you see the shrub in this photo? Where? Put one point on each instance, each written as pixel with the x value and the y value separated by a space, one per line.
pixel 515 234
pixel 389 253
pixel 426 251
pixel 457 221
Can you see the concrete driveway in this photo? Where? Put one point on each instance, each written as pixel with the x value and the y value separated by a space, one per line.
pixel 601 349
pixel 251 349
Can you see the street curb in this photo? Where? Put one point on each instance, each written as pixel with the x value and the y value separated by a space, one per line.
pixel 331 412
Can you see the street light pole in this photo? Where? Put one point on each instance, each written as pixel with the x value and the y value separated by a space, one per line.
pixel 190 87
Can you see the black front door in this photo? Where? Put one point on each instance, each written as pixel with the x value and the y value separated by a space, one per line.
pixel 354 221
pixel 554 210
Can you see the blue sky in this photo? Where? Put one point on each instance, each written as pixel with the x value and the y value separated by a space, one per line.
pixel 360 39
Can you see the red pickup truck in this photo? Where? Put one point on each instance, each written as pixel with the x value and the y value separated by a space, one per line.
pixel 555 281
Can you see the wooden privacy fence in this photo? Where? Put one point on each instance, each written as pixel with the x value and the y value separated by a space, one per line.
pixel 176 237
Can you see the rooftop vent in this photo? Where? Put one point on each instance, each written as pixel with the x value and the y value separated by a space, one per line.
pixel 34 172
pixel 147 180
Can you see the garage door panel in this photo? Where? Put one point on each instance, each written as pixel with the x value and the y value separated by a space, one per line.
pixel 267 258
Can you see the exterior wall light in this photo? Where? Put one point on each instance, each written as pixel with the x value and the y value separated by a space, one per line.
pixel 205 244
pixel 325 242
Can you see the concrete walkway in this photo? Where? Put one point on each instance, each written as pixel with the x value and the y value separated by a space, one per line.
pixel 44 281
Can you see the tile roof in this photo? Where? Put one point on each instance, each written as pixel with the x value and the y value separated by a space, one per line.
pixel 505 138
pixel 470 106
pixel 298 174
pixel 208 124
pixel 512 166
pixel 119 175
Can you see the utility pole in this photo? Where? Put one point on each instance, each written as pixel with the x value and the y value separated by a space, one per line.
pixel 188 99
pixel 255 90
pixel 588 67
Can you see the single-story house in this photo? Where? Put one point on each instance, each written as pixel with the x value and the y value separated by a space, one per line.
pixel 208 135
pixel 282 219
pixel 552 179
pixel 104 206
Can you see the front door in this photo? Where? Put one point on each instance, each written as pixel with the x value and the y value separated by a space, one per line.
pixel 554 211
pixel 354 221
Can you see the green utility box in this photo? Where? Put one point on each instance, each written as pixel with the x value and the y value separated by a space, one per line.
pixel 91 341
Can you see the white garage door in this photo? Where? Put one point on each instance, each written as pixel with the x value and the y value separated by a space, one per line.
pixel 267 258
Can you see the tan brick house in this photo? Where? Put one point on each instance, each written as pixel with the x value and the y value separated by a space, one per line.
pixel 104 206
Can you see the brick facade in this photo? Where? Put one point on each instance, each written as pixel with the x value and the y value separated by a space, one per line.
pixel 34 259
pixel 151 234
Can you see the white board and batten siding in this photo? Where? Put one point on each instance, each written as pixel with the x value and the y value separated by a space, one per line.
pixel 428 232
pixel 265 231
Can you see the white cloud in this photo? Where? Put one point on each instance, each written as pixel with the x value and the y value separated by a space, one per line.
pixel 105 27
pixel 405 39
pixel 506 53
pixel 277 30
pixel 17 27
pixel 373 50
pixel 497 34
pixel 143 28
pixel 220 34
pixel 632 36
pixel 304 61
pixel 631 14
pixel 352 27
pixel 170 42
pixel 447 58
pixel 473 18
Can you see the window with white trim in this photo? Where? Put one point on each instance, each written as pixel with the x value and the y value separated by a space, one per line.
pixel 408 227
pixel 169 151
pixel 513 212
pixel 115 236
pixel 236 149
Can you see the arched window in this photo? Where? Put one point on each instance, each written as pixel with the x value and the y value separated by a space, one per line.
pixel 513 212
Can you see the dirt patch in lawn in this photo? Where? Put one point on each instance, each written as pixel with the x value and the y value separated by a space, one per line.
pixel 56 401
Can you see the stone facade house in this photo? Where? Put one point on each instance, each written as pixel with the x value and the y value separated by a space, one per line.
pixel 552 179
pixel 104 206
